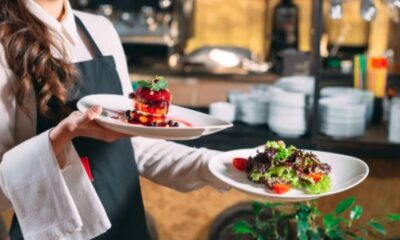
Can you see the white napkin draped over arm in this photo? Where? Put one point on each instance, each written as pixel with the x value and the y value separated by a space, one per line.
pixel 49 203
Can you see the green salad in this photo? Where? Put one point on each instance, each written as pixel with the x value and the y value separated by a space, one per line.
pixel 282 168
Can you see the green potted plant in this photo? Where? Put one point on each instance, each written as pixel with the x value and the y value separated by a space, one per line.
pixel 304 221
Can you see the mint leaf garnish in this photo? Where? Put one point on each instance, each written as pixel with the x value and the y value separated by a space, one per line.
pixel 144 84
pixel 157 84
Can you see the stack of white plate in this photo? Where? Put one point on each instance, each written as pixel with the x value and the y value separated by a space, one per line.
pixel 342 117
pixel 300 84
pixel 394 121
pixel 362 95
pixel 287 113
pixel 252 108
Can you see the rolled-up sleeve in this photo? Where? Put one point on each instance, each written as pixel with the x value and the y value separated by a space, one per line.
pixel 175 165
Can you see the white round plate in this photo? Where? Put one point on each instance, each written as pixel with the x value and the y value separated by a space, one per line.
pixel 201 124
pixel 303 84
pixel 346 173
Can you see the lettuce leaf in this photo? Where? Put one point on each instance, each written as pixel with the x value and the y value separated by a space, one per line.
pixel 324 185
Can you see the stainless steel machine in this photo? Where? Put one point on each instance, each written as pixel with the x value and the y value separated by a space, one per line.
pixel 148 28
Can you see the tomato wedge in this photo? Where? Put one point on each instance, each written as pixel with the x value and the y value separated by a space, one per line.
pixel 240 163
pixel 281 188
pixel 316 176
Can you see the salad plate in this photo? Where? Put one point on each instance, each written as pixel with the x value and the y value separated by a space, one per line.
pixel 346 172
pixel 192 124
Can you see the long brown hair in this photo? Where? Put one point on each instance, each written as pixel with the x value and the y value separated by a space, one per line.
pixel 27 46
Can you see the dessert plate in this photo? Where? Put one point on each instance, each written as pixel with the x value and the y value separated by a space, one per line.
pixel 346 172
pixel 196 124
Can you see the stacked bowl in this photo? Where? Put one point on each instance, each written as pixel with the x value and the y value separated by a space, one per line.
pixel 342 116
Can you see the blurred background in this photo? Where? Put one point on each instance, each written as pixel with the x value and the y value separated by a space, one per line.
pixel 318 74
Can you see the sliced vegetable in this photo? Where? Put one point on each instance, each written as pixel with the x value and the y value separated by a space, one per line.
pixel 240 163
pixel 316 176
pixel 281 188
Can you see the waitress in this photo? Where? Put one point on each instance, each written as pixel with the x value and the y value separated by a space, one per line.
pixel 65 176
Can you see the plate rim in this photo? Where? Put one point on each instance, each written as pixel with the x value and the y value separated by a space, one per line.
pixel 198 131
pixel 283 197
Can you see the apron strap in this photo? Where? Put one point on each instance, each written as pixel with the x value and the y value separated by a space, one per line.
pixel 93 44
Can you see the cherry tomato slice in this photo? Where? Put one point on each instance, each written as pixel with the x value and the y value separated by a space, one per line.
pixel 316 176
pixel 281 188
pixel 240 163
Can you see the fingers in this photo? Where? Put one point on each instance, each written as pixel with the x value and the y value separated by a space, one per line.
pixel 82 125
pixel 89 115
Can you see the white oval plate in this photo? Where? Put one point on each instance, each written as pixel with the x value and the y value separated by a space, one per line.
pixel 346 172
pixel 201 124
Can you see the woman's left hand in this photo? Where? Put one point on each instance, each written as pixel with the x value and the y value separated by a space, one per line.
pixel 79 124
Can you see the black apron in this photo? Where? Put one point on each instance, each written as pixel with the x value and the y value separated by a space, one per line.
pixel 113 166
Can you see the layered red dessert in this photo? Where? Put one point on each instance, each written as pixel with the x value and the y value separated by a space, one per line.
pixel 151 102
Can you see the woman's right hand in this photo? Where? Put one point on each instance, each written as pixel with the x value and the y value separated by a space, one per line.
pixel 79 124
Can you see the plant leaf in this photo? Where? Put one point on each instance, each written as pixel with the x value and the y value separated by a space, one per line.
pixel 242 227
pixel 353 235
pixel 393 217
pixel 356 212
pixel 302 227
pixel 315 211
pixel 260 237
pixel 330 222
pixel 272 205
pixel 257 208
pixel 314 235
pixel 327 220
pixel 366 231
pixel 303 211
pixel 344 205
pixel 335 234
pixel 377 227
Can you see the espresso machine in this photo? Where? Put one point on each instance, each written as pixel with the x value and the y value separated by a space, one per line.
pixel 149 29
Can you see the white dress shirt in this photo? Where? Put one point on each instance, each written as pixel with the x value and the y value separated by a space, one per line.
pixel 62 204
